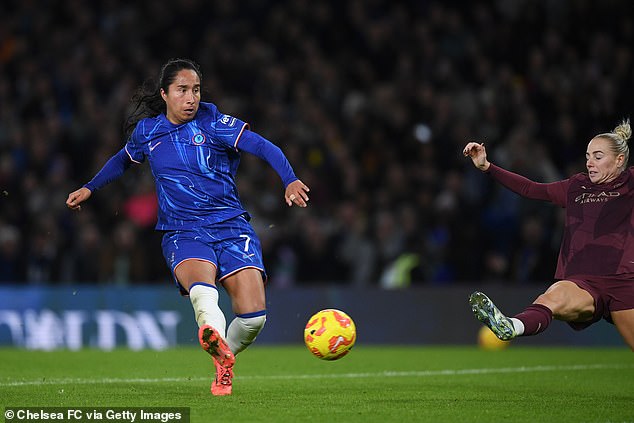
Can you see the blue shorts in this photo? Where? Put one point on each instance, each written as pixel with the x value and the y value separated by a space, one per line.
pixel 231 246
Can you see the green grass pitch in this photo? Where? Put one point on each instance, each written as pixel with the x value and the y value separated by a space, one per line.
pixel 371 384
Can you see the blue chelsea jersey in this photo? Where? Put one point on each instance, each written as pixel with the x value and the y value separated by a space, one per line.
pixel 194 165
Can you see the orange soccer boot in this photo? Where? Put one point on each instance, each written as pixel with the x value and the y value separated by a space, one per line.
pixel 222 384
pixel 216 346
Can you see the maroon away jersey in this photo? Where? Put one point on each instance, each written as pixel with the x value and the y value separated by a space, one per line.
pixel 598 238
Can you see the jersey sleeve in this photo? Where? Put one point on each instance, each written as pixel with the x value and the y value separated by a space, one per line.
pixel 258 145
pixel 134 146
pixel 113 168
pixel 225 128
pixel 555 192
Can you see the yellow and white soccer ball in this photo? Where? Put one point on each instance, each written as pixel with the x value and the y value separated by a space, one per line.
pixel 488 341
pixel 329 334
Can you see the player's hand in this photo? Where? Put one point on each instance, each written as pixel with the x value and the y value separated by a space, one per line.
pixel 75 198
pixel 296 193
pixel 478 155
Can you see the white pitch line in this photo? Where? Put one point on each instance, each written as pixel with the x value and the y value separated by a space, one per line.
pixel 421 373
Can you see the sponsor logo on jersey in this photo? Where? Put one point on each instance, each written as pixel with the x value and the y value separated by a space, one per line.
pixel 596 197
pixel 198 139
pixel 228 120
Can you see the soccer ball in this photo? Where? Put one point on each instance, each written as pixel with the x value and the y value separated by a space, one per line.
pixel 330 334
pixel 488 341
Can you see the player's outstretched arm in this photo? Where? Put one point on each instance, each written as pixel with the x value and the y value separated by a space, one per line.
pixel 296 190
pixel 109 172
pixel 553 192
pixel 296 193
pixel 478 155
pixel 75 198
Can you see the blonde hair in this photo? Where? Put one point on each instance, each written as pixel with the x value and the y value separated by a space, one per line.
pixel 619 137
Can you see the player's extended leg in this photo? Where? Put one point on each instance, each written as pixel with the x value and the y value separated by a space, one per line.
pixel 564 300
pixel 197 277
pixel 246 289
pixel 624 322
pixel 568 302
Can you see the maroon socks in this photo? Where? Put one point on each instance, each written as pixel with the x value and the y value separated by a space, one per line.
pixel 535 318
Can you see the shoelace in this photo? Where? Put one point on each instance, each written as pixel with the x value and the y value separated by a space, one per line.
pixel 225 378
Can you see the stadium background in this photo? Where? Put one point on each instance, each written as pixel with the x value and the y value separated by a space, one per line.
pixel 372 101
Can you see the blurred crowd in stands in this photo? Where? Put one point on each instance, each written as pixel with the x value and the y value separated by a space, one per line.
pixel 371 100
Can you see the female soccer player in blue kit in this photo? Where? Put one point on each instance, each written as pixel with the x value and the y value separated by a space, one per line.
pixel 194 152
pixel 595 270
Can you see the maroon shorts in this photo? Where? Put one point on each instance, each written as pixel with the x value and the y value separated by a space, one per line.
pixel 609 295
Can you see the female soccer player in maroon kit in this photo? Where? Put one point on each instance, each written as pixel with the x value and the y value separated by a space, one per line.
pixel 595 269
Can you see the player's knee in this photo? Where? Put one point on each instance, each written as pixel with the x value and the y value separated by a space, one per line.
pixel 567 301
pixel 553 301
pixel 253 324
